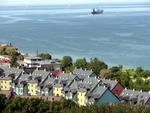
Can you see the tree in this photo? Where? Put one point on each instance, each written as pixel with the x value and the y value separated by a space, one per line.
pixel 96 65
pixel 105 73
pixel 81 63
pixel 11 51
pixel 115 69
pixel 2 102
pixel 145 73
pixel 2 51
pixel 139 70
pixel 45 56
pixel 13 62
pixel 66 61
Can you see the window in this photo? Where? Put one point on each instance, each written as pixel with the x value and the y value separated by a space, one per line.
pixel 1 81
pixel 5 82
pixel 5 87
pixel 31 90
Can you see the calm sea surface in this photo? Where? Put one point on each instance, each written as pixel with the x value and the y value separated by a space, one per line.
pixel 119 36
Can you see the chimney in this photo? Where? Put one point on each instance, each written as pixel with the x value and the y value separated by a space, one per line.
pixel 133 89
pixel 149 92
pixel 125 89
pixel 141 91
pixel 70 73
pixel 63 72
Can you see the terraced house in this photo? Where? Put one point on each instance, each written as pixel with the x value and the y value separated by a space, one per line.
pixel 8 77
pixel 85 87
pixel 135 96
pixel 113 85
pixel 63 81
pixel 84 73
pixel 81 86
pixel 21 86
pixel 46 86
pixel 36 78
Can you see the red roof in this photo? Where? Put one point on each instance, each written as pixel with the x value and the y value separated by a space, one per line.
pixel 56 72
pixel 4 61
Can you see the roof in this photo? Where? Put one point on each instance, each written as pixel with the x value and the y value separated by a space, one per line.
pixel 39 74
pixel 24 78
pixel 82 73
pixel 49 82
pixel 12 71
pixel 66 78
pixel 135 95
pixel 89 83
pixel 111 83
pixel 32 57
pixel 97 92
pixel 56 72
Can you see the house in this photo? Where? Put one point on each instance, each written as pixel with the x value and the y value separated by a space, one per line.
pixel 83 73
pixel 47 86
pixel 63 81
pixel 144 98
pixel 9 77
pixel 5 83
pixel 21 86
pixel 56 73
pixel 57 90
pixel 129 95
pixel 81 97
pixel 114 86
pixel 135 96
pixel 37 77
pixel 38 62
pixel 102 95
pixel 5 60
pixel 86 86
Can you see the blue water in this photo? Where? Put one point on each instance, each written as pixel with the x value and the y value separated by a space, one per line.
pixel 119 36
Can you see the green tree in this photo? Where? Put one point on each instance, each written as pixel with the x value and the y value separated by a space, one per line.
pixel 66 61
pixel 96 65
pixel 13 62
pixel 2 102
pixel 81 63
pixel 45 56
pixel 139 70
pixel 2 51
pixel 11 51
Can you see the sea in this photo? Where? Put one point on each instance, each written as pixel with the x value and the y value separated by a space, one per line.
pixel 119 36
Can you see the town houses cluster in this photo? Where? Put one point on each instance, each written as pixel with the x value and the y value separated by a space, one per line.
pixel 81 86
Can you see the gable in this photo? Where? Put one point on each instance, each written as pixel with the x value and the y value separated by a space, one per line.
pixel 107 97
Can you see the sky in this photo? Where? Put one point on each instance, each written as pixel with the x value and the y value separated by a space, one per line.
pixel 32 2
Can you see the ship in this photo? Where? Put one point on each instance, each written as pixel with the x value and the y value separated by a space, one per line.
pixel 97 11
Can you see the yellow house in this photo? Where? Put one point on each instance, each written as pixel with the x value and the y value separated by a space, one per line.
pixel 81 97
pixel 57 90
pixel 32 88
pixel 5 84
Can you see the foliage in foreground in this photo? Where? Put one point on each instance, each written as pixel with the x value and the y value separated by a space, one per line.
pixel 19 105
